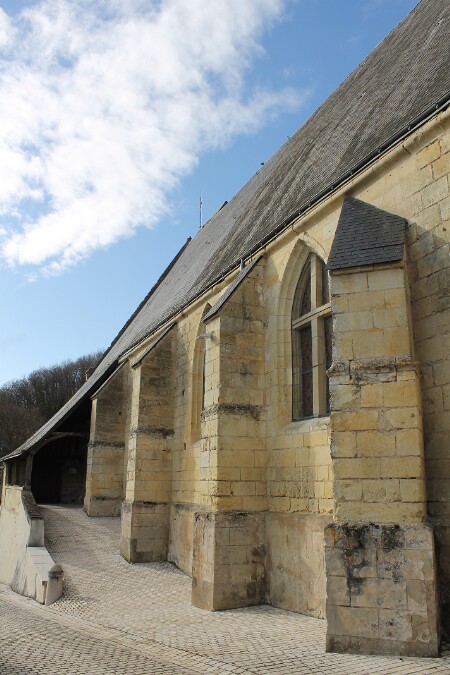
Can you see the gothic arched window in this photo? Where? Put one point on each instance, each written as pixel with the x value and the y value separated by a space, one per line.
pixel 311 341
pixel 198 378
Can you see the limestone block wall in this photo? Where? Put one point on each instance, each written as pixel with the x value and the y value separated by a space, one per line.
pixel 299 466
pixel 415 184
pixel 228 563
pixel 376 419
pixel 381 589
pixel 181 535
pixel 235 462
pixel 228 569
pixel 429 255
pixel 378 548
pixel 295 562
pixel 189 358
pixel 403 183
pixel 299 471
pixel 233 458
pixel 104 475
pixel 148 492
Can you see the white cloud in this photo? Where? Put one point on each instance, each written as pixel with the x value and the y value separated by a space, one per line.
pixel 106 104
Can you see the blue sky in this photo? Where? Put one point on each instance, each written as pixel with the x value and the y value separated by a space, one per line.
pixel 115 114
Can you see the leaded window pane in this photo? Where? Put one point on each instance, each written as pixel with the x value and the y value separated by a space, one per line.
pixel 308 316
pixel 296 376
pixel 307 365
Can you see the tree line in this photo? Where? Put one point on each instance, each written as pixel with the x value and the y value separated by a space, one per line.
pixel 26 404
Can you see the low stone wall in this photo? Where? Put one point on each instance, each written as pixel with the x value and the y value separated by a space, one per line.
pixel 25 563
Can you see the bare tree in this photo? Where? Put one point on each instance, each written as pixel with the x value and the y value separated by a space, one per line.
pixel 27 403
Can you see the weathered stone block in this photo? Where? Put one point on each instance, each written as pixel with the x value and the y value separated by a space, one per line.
pixel 230 573
pixel 102 506
pixel 397 602
pixel 295 564
pixel 374 592
pixel 352 621
pixel 144 533
pixel 428 155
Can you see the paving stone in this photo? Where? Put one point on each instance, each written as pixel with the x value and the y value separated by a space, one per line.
pixel 119 618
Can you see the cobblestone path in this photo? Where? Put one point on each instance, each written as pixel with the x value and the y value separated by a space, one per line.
pixel 116 618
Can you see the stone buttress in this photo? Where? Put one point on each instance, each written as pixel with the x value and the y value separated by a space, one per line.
pixel 104 476
pixel 381 570
pixel 145 509
pixel 228 556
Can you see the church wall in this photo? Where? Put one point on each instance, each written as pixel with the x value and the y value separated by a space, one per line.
pixel 181 535
pixel 430 293
pixel 295 562
pixel 252 492
pixel 146 507
pixel 377 549
pixel 186 497
pixel 399 190
pixel 105 458
pixel 299 462
pixel 229 570
pixel 418 188
pixel 299 470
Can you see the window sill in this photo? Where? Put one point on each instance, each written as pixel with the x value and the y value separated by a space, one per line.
pixel 308 424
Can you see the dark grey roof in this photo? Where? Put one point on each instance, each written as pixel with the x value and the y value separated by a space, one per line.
pixel 398 85
pixel 230 290
pixel 366 235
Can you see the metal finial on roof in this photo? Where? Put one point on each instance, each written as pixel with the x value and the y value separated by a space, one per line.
pixel 242 264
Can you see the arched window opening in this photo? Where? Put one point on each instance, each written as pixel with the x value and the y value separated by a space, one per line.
pixel 311 342
pixel 198 379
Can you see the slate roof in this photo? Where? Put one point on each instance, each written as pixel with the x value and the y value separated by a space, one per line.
pixel 366 235
pixel 396 87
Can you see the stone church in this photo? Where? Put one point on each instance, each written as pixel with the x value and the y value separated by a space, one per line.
pixel 274 418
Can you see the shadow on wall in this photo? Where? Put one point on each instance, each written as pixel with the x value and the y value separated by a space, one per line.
pixel 429 279
pixel 59 472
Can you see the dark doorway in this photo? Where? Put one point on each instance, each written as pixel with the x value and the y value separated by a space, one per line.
pixel 59 471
